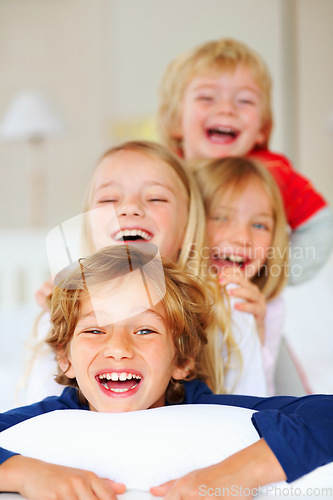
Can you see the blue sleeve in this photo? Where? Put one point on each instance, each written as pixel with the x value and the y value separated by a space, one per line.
pixel 13 417
pixel 301 438
pixel 299 431
pixel 67 400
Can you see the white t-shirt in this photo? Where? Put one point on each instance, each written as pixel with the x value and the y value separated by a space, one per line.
pixel 251 379
pixel 274 324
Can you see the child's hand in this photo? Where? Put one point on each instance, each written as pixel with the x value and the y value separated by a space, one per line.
pixel 43 292
pixel 35 479
pixel 253 301
pixel 239 476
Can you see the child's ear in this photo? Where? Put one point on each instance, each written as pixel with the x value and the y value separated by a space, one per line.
pixel 64 364
pixel 177 132
pixel 177 129
pixel 261 137
pixel 180 373
pixel 263 134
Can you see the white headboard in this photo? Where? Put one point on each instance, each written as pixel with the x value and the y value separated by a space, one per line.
pixel 23 265
pixel 23 269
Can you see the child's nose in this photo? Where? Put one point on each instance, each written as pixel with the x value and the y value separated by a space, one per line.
pixel 118 345
pixel 225 106
pixel 130 208
pixel 241 234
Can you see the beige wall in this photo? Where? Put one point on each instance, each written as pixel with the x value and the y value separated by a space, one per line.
pixel 144 38
pixel 315 92
pixel 55 47
pixel 100 62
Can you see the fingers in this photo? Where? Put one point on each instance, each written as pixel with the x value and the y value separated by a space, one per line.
pixel 162 489
pixel 246 290
pixel 104 489
pixel 84 485
pixel 118 488
pixel 43 292
pixel 237 280
pixel 251 298
pixel 87 486
pixel 231 276
pixel 254 303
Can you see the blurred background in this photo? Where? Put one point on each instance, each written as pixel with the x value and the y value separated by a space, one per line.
pixel 85 76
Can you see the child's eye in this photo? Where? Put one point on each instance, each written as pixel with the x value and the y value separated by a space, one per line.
pixel 107 200
pixel 94 331
pixel 246 101
pixel 158 199
pixel 219 218
pixel 260 225
pixel 204 97
pixel 144 331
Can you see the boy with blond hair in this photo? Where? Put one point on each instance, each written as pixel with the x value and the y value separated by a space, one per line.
pixel 128 332
pixel 215 101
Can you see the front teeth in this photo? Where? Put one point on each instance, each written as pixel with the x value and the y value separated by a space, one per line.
pixel 234 258
pixel 223 130
pixel 132 232
pixel 115 376
pixel 118 389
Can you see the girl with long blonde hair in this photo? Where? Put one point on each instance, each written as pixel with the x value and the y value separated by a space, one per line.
pixel 248 240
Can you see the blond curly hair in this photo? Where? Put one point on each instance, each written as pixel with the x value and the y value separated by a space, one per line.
pixel 214 57
pixel 188 306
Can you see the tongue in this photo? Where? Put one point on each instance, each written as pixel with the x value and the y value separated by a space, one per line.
pixel 127 384
pixel 221 137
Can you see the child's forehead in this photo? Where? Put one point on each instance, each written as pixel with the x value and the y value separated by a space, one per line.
pixel 149 164
pixel 130 155
pixel 234 192
pixel 103 308
pixel 235 188
pixel 149 168
pixel 214 70
pixel 117 299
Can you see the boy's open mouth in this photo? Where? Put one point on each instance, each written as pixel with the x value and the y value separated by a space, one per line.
pixel 119 382
pixel 222 135
pixel 134 234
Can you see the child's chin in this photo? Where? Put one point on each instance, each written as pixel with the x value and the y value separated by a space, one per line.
pixel 224 267
pixel 115 408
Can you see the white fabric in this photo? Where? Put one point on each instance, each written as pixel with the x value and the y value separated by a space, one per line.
pixel 141 449
pixel 129 495
pixel 274 323
pixel 148 447
pixel 251 381
pixel 16 324
pixel 309 327
pixel 40 381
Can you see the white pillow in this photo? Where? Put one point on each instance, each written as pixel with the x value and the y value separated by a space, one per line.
pixel 143 448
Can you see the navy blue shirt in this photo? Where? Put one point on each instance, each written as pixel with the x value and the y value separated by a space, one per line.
pixel 298 430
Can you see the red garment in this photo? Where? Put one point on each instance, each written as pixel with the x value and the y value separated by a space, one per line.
pixel 301 200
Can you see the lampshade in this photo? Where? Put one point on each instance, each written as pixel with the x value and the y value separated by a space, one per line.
pixel 30 117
